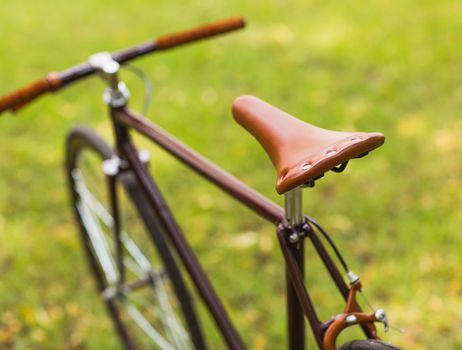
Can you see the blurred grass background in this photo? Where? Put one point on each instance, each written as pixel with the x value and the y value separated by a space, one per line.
pixel 393 67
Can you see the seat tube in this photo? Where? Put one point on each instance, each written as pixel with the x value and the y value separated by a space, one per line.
pixel 295 316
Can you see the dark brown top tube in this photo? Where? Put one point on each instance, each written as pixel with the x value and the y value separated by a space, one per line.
pixel 251 198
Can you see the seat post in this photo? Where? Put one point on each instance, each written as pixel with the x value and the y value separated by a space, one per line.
pixel 293 206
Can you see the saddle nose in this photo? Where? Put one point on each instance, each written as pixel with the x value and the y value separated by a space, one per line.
pixel 300 152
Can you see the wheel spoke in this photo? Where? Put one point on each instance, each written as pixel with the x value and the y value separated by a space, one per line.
pixel 86 195
pixel 100 245
pixel 163 311
pixel 141 321
pixel 95 215
pixel 136 253
pixel 173 323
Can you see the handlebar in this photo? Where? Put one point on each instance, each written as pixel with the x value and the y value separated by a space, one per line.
pixel 203 32
pixel 56 80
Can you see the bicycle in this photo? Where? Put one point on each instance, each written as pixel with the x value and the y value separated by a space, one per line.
pixel 115 199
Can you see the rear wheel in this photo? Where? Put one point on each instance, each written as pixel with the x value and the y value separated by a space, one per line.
pixel 368 344
pixel 152 308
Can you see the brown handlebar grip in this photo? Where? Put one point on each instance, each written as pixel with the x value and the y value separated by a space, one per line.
pixel 19 98
pixel 220 27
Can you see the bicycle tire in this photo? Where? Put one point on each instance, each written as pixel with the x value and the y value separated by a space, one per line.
pixel 368 344
pixel 83 142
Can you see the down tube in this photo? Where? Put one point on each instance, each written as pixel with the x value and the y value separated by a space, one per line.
pixel 187 256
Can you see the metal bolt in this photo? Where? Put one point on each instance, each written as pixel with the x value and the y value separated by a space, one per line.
pixel 293 238
pixel 144 156
pixel 380 315
pixel 116 96
pixel 351 319
pixel 111 166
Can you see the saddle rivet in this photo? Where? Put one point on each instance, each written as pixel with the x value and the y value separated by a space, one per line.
pixel 306 166
pixel 330 153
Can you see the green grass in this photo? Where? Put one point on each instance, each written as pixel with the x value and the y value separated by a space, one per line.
pixel 379 66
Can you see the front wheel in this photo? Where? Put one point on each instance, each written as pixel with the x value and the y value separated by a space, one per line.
pixel 139 282
pixel 368 344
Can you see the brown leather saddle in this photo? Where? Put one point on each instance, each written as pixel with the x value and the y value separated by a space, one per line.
pixel 301 152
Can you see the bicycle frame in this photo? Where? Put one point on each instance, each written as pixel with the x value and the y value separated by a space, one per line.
pixel 292 227
pixel 299 303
